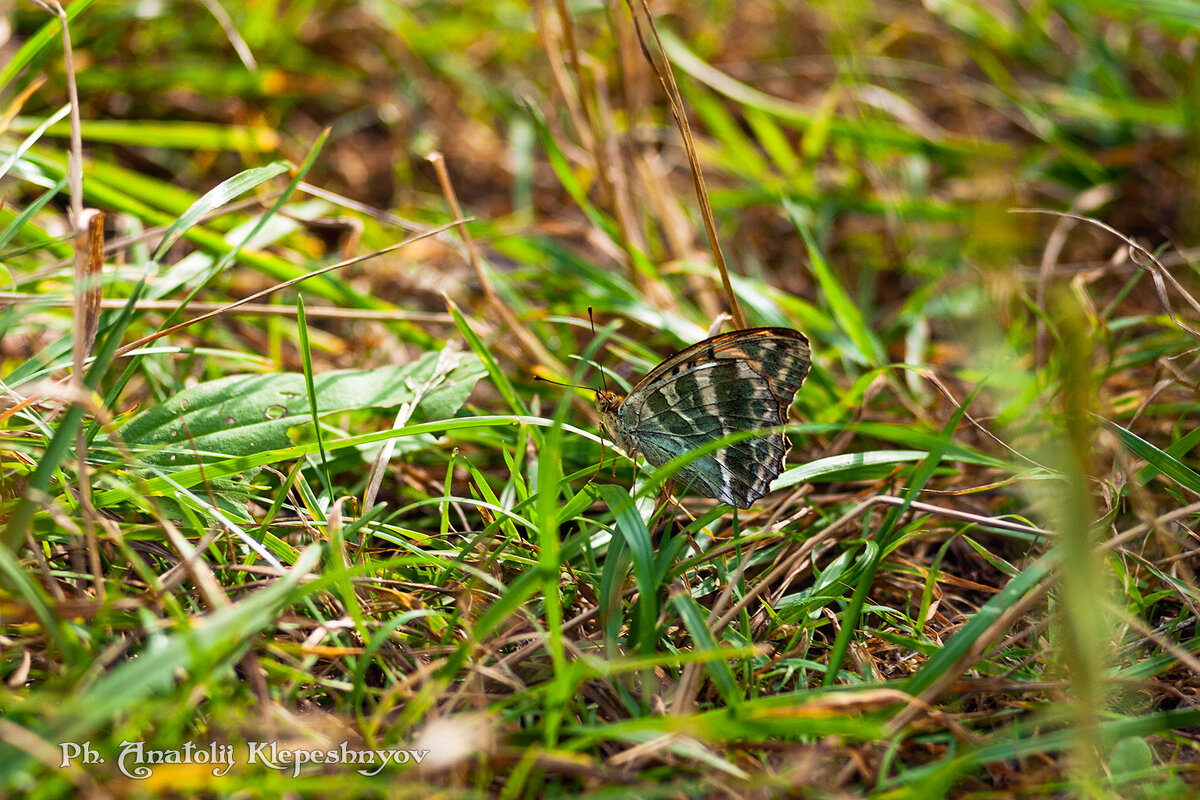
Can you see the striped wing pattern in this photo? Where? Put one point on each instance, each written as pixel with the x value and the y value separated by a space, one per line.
pixel 740 381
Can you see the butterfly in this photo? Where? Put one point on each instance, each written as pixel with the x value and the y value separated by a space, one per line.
pixel 740 381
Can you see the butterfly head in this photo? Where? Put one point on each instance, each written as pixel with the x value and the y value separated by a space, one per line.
pixel 608 402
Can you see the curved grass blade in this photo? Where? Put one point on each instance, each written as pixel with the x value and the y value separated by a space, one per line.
pixel 224 192
pixel 632 528
pixel 1157 461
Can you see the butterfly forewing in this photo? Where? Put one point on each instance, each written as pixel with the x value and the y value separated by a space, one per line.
pixel 740 381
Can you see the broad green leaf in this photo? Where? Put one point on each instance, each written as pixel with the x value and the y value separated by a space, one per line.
pixel 245 414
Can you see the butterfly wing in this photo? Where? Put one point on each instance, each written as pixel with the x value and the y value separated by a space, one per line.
pixel 740 381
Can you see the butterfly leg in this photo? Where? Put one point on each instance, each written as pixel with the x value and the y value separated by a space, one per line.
pixel 600 463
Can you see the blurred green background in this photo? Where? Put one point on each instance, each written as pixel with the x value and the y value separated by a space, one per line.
pixel 1016 372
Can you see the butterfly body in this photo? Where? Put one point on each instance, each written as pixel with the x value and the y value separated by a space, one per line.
pixel 740 381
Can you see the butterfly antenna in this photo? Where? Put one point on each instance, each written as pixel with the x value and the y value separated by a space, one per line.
pixel 592 319
pixel 565 385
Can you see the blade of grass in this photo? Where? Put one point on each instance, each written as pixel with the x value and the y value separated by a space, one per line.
pixel 1158 462
pixel 850 320
pixel 306 360
pixel 33 46
pixel 632 528
pixel 696 621
pixel 213 199
pixel 499 379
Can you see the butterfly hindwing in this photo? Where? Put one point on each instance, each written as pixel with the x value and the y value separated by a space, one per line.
pixel 741 381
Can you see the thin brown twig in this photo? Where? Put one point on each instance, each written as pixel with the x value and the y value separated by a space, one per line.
pixel 666 76
pixel 256 309
pixel 89 264
pixel 145 340
pixel 558 73
pixel 88 261
pixel 1158 273
pixel 586 88
pixel 531 344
